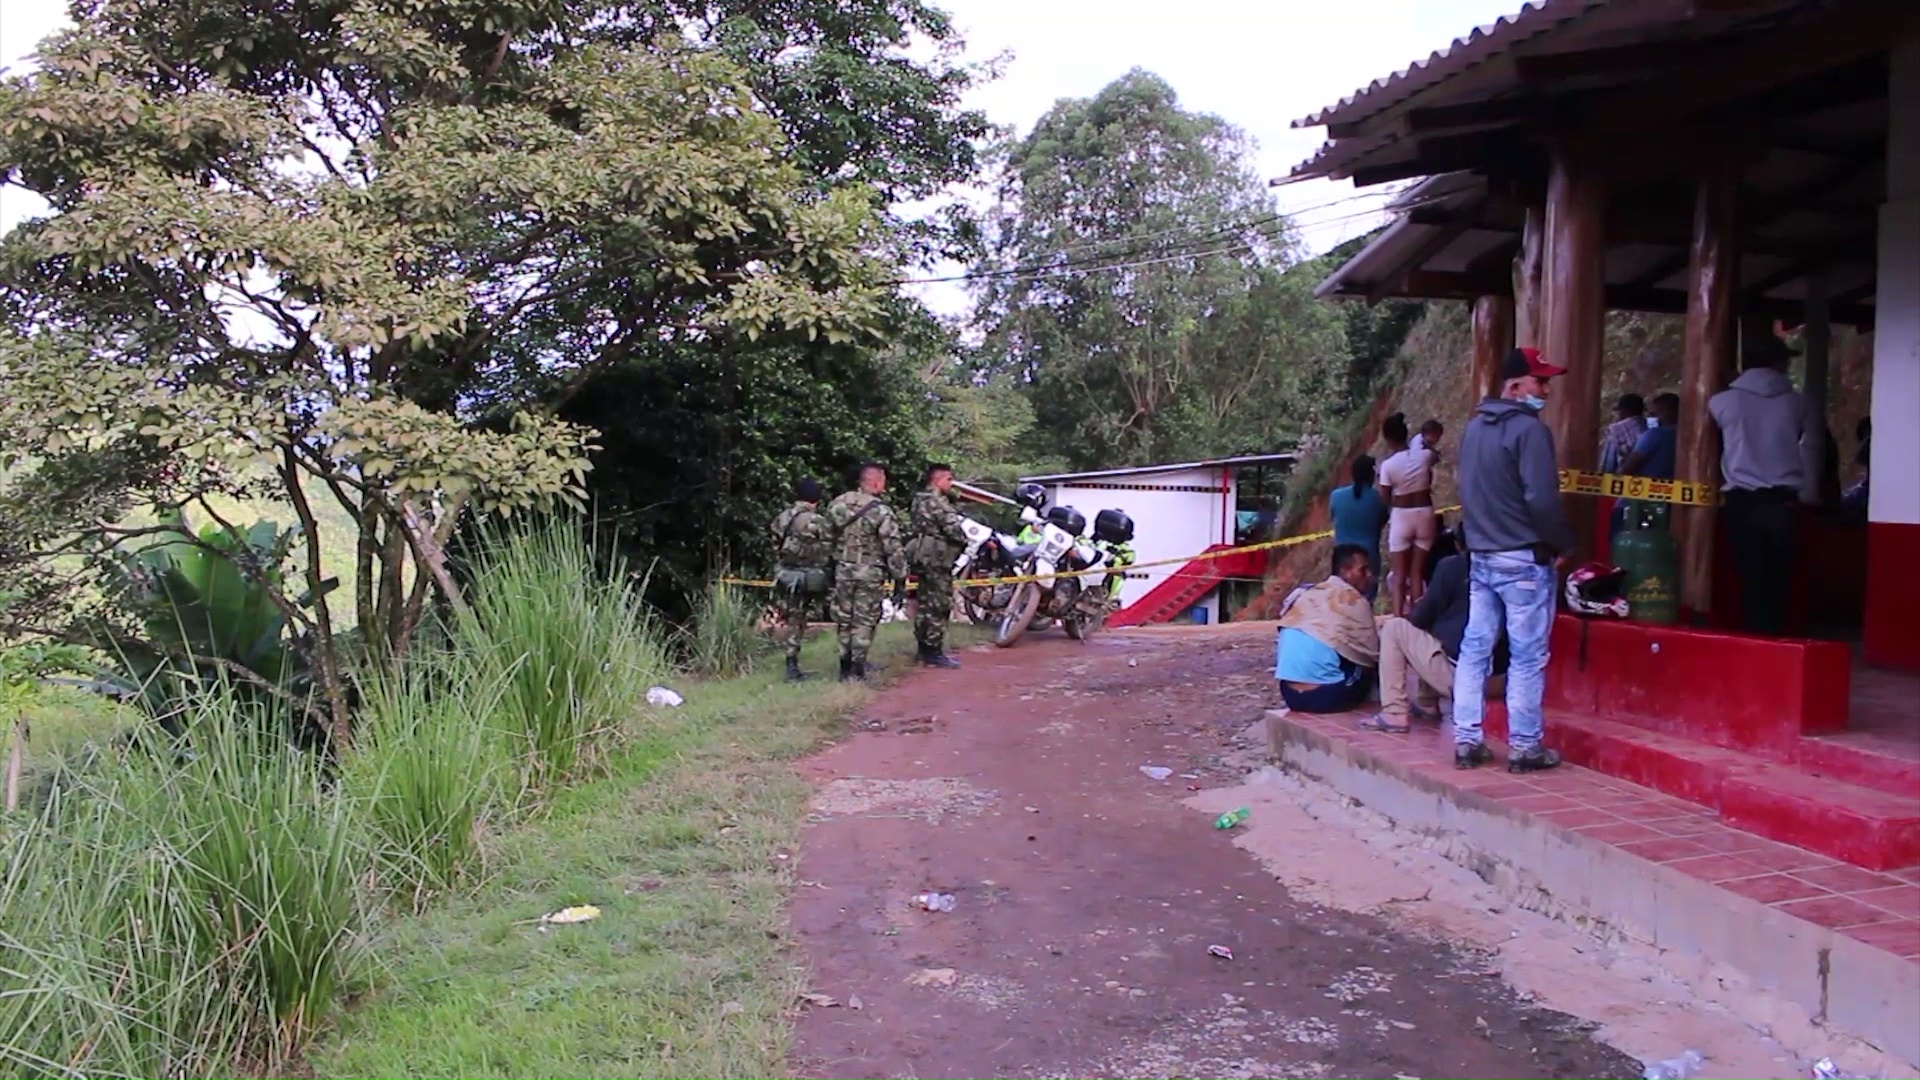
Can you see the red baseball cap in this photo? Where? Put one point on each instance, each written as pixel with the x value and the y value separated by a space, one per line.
pixel 1526 361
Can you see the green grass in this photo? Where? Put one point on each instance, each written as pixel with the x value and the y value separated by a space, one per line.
pixel 678 847
pixel 724 639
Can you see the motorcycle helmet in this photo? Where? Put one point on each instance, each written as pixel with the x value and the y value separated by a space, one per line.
pixel 1030 494
pixel 1596 589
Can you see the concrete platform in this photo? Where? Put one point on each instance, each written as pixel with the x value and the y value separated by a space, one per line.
pixel 1840 942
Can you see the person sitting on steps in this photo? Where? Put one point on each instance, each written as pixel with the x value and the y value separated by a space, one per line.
pixel 1328 646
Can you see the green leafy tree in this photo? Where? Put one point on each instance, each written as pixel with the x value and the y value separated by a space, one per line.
pixel 324 239
pixel 1136 284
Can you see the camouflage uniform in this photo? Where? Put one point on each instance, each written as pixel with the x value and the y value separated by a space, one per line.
pixel 801 540
pixel 867 554
pixel 937 540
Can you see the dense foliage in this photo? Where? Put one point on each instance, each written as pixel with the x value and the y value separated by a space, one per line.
pixel 299 251
pixel 1137 286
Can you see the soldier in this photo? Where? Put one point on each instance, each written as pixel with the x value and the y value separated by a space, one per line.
pixel 937 542
pixel 866 551
pixel 801 541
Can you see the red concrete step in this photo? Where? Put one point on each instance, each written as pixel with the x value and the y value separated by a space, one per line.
pixel 1867 762
pixel 1876 830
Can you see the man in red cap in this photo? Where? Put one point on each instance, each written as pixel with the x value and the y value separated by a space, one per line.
pixel 1516 531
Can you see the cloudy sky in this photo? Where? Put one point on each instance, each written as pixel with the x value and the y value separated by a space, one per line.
pixel 1258 63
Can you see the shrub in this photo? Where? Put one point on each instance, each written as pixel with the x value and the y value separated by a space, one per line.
pixel 559 625
pixel 427 771
pixel 176 910
pixel 724 637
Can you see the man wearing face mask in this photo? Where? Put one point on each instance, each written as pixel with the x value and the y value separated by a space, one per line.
pixel 1516 530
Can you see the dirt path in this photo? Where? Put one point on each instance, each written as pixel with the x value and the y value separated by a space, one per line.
pixel 1088 895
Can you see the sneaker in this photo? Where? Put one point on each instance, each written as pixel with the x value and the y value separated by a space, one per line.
pixel 1533 760
pixel 1471 755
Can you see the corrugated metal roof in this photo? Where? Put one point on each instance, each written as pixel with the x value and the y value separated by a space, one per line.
pixel 1484 43
pixel 1143 470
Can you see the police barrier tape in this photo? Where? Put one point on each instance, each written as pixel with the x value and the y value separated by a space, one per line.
pixel 1572 482
pixel 1644 489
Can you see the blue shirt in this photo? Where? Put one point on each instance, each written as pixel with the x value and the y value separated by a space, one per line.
pixel 1304 659
pixel 1357 520
pixel 1660 444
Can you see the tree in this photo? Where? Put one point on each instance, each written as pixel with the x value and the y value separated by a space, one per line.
pixel 1136 284
pixel 303 249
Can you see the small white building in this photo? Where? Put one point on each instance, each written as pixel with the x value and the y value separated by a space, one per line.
pixel 1178 510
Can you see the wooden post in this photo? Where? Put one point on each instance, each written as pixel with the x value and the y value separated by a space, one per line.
pixel 1526 276
pixel 1492 340
pixel 1572 332
pixel 15 758
pixel 1706 367
pixel 1818 340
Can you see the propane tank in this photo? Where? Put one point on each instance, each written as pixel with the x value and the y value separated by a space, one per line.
pixel 1646 551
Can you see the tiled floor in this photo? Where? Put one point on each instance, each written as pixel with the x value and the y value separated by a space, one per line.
pixel 1881 909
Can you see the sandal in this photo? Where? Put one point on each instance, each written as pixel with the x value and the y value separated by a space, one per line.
pixel 1379 722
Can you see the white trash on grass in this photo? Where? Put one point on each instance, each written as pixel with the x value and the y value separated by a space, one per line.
pixel 661 697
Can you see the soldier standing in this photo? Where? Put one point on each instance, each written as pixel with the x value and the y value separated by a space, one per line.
pixel 866 552
pixel 937 540
pixel 801 541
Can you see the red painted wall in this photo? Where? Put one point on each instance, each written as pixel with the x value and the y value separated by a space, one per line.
pixel 1891 631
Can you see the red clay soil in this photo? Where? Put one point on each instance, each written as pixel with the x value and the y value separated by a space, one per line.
pixel 1086 896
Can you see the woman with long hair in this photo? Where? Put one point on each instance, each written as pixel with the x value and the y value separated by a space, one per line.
pixel 1407 480
pixel 1358 516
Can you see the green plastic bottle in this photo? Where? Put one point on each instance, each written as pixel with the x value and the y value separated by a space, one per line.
pixel 1231 818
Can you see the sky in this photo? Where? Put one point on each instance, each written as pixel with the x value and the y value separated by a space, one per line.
pixel 1260 64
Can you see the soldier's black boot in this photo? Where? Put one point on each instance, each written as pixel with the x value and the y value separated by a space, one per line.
pixel 933 657
pixel 794 674
pixel 846 666
pixel 859 671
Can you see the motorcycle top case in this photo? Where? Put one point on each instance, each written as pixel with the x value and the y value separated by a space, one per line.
pixel 1069 519
pixel 1113 527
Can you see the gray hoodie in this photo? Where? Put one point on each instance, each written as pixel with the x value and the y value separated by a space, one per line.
pixel 1761 419
pixel 1510 482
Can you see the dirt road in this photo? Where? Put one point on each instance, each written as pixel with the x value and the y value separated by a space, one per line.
pixel 1087 895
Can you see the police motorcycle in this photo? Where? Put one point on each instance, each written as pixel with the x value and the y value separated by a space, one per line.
pixel 987 558
pixel 1080 604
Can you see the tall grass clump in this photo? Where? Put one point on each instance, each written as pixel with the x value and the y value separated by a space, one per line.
pixel 561 627
pixel 427 771
pixel 724 637
pixel 176 909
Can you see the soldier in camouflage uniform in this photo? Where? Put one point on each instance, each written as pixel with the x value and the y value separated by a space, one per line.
pixel 802 542
pixel 937 542
pixel 867 553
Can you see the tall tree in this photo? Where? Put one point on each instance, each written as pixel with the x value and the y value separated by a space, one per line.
pixel 327 236
pixel 1135 284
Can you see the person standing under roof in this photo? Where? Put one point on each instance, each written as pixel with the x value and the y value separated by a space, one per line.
pixel 1515 528
pixel 1359 513
pixel 1762 419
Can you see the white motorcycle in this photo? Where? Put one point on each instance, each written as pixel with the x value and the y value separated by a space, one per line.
pixel 988 556
pixel 1080 606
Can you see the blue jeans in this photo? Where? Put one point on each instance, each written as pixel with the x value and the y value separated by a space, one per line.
pixel 1504 588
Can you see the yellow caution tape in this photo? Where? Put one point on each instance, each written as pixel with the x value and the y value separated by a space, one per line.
pixel 1645 489
pixel 1572 482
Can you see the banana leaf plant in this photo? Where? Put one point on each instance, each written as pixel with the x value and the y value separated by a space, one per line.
pixel 208 602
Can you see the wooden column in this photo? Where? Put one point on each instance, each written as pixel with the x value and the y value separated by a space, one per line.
pixel 1573 327
pixel 1706 367
pixel 1526 275
pixel 1818 339
pixel 1492 340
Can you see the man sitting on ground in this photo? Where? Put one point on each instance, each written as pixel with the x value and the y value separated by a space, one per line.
pixel 1427 643
pixel 1329 647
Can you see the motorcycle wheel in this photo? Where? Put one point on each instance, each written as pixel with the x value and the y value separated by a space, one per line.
pixel 1081 627
pixel 977 600
pixel 1018 616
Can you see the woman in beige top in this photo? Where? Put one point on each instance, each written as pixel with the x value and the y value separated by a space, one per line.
pixel 1406 480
